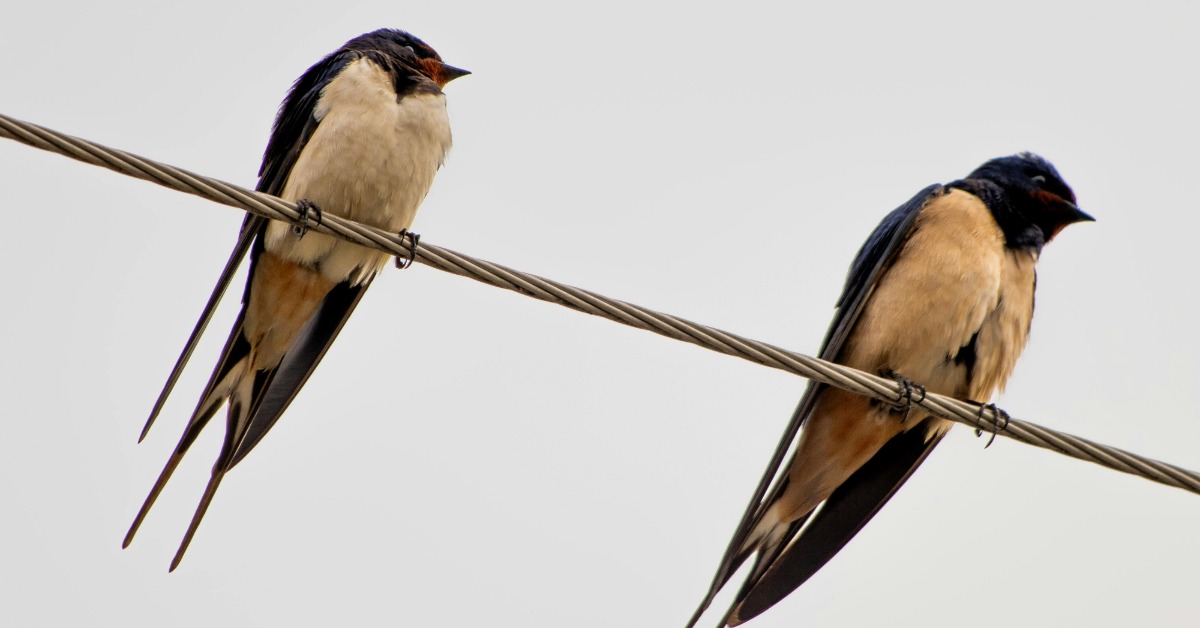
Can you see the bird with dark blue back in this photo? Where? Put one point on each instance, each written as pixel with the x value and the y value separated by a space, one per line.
pixel 941 297
pixel 361 134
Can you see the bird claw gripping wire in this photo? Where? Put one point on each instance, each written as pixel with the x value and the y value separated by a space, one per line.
pixel 907 388
pixel 310 216
pixel 1000 425
pixel 402 262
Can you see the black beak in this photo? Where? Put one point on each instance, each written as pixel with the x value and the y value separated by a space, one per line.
pixel 1078 215
pixel 449 73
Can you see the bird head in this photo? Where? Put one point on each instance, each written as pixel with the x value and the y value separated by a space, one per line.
pixel 1034 192
pixel 410 51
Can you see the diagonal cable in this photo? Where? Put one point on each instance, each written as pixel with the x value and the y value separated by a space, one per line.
pixel 866 384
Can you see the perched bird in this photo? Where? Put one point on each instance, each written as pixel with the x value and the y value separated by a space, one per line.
pixel 360 134
pixel 940 296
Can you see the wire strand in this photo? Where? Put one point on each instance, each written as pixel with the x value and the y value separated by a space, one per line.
pixel 866 384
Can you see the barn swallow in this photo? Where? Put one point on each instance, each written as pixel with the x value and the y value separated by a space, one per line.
pixel 361 134
pixel 941 295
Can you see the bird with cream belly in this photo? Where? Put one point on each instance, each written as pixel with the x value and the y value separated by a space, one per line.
pixel 362 134
pixel 941 294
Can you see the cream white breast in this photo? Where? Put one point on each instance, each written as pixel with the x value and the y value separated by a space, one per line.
pixel 372 158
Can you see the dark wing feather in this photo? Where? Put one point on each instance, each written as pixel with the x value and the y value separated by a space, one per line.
pixel 846 511
pixel 869 264
pixel 274 389
pixel 293 127
pixel 297 120
pixel 286 380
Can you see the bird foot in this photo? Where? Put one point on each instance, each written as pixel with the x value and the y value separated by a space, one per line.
pixel 310 216
pixel 402 262
pixel 1002 424
pixel 910 393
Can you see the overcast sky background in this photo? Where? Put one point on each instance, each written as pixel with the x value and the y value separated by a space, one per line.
pixel 469 456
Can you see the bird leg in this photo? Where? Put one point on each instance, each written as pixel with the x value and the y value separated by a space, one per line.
pixel 907 388
pixel 310 216
pixel 401 262
pixel 1000 425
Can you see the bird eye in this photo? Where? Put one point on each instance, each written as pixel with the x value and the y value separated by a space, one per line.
pixel 410 49
pixel 1039 179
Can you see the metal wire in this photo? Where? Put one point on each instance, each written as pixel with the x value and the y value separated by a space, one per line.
pixel 984 419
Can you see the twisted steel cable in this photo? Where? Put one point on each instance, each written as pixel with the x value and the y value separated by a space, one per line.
pixel 985 418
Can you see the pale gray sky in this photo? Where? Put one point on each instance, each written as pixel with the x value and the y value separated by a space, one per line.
pixel 468 456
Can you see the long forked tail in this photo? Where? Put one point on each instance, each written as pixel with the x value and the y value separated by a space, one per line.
pixel 250 227
pixel 201 508
pixel 199 420
pixel 227 371
pixel 755 541
pixel 834 524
